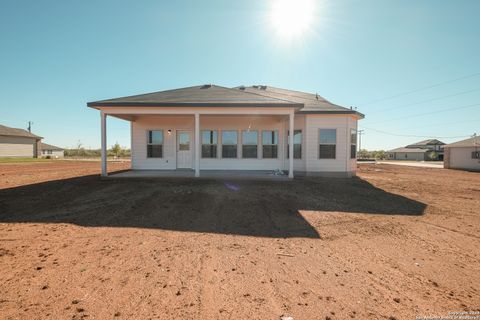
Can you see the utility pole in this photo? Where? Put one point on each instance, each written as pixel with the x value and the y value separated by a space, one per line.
pixel 30 126
pixel 360 132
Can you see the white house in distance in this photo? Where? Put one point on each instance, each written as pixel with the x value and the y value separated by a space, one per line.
pixel 18 143
pixel 210 127
pixel 463 154
pixel 426 150
pixel 52 151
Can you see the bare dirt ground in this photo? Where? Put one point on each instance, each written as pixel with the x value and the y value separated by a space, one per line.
pixel 394 243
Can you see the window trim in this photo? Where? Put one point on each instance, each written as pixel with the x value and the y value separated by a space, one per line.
pixel 221 143
pixel 202 144
pixel 242 144
pixel 278 143
pixel 155 144
pixel 353 144
pixel 335 144
pixel 287 156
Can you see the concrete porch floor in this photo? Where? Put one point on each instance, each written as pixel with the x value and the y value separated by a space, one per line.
pixel 204 174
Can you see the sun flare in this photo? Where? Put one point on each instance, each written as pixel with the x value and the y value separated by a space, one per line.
pixel 292 18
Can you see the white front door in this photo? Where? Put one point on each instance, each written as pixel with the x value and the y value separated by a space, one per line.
pixel 184 149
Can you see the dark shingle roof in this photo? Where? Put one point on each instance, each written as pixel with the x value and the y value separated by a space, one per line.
pixel 50 147
pixel 312 103
pixel 16 132
pixel 413 150
pixel 427 142
pixel 213 95
pixel 471 142
pixel 202 96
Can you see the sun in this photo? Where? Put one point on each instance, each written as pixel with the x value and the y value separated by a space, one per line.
pixel 292 18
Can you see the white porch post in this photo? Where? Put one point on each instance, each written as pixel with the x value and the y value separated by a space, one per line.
pixel 197 145
pixel 290 145
pixel 103 121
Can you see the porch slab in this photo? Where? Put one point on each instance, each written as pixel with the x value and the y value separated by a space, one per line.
pixel 204 174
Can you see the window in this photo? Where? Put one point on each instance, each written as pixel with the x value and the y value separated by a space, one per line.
pixel 49 152
pixel 229 144
pixel 155 144
pixel 475 154
pixel 270 144
pixel 209 144
pixel 249 144
pixel 353 143
pixel 297 144
pixel 183 141
pixel 328 143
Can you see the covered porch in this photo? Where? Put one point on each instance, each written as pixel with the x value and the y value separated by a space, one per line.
pixel 182 151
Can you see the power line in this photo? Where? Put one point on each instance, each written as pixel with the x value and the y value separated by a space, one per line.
pixel 421 89
pixel 442 124
pixel 415 136
pixel 428 100
pixel 428 113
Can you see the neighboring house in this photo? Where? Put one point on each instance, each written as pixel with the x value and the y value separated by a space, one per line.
pixel 415 154
pixel 425 150
pixel 210 127
pixel 463 154
pixel 18 143
pixel 51 151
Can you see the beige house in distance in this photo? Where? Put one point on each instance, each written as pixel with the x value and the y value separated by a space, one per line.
pixel 18 143
pixel 212 128
pixel 463 154
pixel 51 151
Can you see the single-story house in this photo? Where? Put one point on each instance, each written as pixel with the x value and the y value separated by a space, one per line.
pixel 426 150
pixel 414 154
pixel 209 127
pixel 51 151
pixel 463 154
pixel 18 143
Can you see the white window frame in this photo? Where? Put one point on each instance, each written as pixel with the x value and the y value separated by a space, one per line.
pixel 147 135
pixel 335 144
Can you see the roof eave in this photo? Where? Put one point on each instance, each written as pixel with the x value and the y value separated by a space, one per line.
pixel 351 112
pixel 99 104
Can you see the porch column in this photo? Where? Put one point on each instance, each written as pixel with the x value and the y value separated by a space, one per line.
pixel 290 145
pixel 103 124
pixel 197 145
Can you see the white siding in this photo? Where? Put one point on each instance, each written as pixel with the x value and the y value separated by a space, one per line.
pixel 342 163
pixel 413 156
pixel 309 124
pixel 461 158
pixel 55 154
pixel 17 147
pixel 207 122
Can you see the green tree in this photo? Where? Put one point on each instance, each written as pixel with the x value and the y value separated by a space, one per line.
pixel 116 149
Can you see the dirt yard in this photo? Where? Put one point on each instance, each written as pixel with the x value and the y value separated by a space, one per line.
pixel 394 243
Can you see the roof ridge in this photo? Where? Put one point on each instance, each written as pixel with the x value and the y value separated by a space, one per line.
pixel 291 95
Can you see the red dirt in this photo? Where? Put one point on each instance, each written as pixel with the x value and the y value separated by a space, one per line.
pixel 394 243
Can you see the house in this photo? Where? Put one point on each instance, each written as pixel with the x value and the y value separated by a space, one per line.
pixel 18 143
pixel 463 154
pixel 51 151
pixel 415 154
pixel 426 150
pixel 210 127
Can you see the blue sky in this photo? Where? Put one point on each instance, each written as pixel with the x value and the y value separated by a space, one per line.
pixel 57 55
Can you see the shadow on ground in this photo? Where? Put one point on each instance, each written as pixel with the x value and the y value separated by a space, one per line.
pixel 265 208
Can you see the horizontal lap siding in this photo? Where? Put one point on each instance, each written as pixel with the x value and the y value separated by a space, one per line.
pixel 461 158
pixel 218 123
pixel 342 162
pixel 139 140
pixel 17 147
